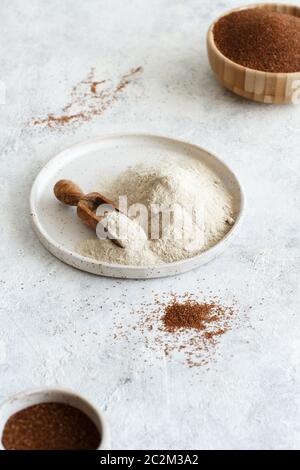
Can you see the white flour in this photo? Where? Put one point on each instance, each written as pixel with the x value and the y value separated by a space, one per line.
pixel 202 213
pixel 106 251
pixel 118 226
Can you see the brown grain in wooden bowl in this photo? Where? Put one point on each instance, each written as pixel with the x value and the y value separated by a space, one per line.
pixel 256 85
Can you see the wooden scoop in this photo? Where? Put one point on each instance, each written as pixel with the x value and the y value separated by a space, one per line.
pixel 70 194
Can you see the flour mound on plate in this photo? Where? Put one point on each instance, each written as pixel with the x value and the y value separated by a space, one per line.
pixel 187 205
pixel 108 252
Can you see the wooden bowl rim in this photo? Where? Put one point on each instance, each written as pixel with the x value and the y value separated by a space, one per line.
pixel 212 44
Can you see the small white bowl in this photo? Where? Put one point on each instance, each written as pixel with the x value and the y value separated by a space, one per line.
pixel 58 395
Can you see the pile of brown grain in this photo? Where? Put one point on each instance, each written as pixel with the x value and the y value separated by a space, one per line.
pixel 89 98
pixel 260 39
pixel 190 314
pixel 50 426
pixel 184 326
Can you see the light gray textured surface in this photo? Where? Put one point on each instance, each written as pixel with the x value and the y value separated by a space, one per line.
pixel 249 396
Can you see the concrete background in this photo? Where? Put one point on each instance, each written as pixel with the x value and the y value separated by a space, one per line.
pixel 248 397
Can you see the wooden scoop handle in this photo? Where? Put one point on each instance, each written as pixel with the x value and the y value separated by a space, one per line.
pixel 68 192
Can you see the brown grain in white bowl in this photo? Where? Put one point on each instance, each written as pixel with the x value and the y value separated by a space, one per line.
pixel 264 87
pixel 37 396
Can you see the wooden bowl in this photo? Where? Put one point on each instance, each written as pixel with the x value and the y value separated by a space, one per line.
pixel 265 87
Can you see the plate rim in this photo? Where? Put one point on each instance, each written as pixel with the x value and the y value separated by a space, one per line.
pixel 211 253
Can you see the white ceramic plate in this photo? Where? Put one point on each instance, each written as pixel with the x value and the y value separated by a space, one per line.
pixel 58 227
